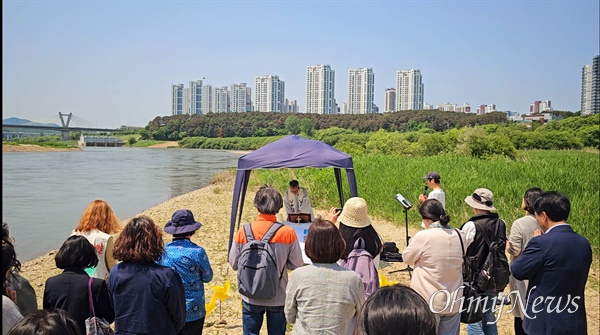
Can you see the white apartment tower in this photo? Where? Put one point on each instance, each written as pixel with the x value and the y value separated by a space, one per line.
pixel 207 99
pixel 590 88
pixel 269 94
pixel 320 84
pixel 409 90
pixel 361 86
pixel 390 100
pixel 177 99
pixel 195 97
pixel 220 99
pixel 239 94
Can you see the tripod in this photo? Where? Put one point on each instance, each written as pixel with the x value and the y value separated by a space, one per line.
pixel 408 268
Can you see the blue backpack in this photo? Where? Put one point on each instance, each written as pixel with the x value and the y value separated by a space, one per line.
pixel 360 261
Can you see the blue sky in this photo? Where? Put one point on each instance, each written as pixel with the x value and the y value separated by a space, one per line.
pixel 113 62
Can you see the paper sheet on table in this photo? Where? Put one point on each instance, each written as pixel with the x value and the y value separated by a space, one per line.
pixel 301 230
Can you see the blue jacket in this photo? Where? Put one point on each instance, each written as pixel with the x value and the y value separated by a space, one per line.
pixel 557 265
pixel 148 299
pixel 191 263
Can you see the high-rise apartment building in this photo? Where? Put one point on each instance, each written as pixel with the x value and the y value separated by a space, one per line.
pixel 483 109
pixel 207 99
pixel 447 107
pixel 220 99
pixel 465 108
pixel 590 88
pixel 269 94
pixel 450 107
pixel 177 94
pixel 249 104
pixel 409 90
pixel 291 106
pixel 361 87
pixel 195 97
pixel 390 100
pixel 320 84
pixel 537 107
pixel 239 94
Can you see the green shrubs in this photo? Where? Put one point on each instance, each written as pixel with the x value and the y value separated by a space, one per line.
pixel 229 143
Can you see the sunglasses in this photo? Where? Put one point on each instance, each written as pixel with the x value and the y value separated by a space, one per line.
pixel 477 198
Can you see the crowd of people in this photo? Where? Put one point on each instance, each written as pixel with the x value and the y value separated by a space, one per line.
pixel 142 286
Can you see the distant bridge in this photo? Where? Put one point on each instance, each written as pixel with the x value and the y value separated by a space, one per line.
pixel 65 129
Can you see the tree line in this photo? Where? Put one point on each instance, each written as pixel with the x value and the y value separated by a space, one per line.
pixel 482 141
pixel 260 124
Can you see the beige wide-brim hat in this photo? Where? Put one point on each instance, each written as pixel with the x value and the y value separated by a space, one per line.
pixel 482 199
pixel 355 213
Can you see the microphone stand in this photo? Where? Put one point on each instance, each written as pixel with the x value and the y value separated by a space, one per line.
pixel 408 268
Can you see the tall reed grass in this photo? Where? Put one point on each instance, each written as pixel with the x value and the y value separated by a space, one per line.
pixel 379 178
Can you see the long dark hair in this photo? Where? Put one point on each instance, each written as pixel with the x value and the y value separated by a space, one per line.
pixel 396 309
pixel 433 210
pixel 9 261
pixel 373 243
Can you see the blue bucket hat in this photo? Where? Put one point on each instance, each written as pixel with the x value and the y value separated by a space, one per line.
pixel 182 222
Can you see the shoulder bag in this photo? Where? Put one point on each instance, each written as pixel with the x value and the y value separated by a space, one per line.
pixel 95 325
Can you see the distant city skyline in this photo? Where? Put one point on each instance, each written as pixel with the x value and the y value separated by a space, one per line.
pixel 113 63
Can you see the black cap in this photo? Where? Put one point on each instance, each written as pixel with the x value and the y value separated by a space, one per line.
pixel 432 175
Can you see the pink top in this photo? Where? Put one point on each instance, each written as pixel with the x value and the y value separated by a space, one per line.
pixel 436 256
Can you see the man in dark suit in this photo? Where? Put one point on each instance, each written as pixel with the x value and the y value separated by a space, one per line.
pixel 556 264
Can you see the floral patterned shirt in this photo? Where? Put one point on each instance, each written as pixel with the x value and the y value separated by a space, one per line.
pixel 191 262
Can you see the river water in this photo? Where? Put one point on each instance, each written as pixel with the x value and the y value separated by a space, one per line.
pixel 45 193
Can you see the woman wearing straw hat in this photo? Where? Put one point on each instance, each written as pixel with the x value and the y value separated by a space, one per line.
pixel 354 223
pixel 191 262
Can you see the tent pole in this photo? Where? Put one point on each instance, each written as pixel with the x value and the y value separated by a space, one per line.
pixel 338 181
pixel 243 197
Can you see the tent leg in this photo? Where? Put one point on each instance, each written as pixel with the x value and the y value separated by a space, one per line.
pixel 338 181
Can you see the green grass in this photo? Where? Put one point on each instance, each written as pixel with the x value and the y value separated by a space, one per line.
pixel 379 178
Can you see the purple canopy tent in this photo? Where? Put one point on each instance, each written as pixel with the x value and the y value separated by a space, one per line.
pixel 289 152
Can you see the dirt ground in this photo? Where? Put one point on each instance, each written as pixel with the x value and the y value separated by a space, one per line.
pixel 32 148
pixel 170 144
pixel 212 205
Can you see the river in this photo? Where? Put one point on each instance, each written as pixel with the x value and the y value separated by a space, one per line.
pixel 45 193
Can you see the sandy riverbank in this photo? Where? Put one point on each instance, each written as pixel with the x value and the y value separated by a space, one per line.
pixel 212 206
pixel 169 144
pixel 32 148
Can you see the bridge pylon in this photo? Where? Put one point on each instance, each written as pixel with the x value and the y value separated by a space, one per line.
pixel 66 133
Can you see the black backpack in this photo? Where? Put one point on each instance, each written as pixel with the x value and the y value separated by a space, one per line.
pixel 496 270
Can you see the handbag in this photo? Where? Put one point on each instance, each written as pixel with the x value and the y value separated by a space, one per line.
pixel 471 309
pixel 95 325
